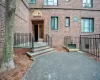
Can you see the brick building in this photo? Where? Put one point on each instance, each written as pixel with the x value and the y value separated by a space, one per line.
pixel 2 25
pixel 21 20
pixel 62 18
pixel 58 18
pixel 22 17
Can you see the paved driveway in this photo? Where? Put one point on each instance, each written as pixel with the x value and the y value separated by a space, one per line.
pixel 63 66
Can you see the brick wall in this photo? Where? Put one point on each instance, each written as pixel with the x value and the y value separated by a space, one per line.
pixel 72 9
pixel 75 27
pixel 22 17
pixel 71 4
pixel 21 20
pixel 2 25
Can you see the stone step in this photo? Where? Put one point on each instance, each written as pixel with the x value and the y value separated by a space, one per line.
pixel 41 48
pixel 40 44
pixel 39 53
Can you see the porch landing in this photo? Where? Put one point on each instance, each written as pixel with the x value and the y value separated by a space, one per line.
pixel 39 44
pixel 29 45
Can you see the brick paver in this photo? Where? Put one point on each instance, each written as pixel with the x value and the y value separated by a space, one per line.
pixel 63 66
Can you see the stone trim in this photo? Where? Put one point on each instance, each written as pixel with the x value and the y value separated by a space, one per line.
pixel 25 3
pixel 68 9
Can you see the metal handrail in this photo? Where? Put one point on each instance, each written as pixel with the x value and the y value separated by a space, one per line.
pixel 33 44
pixel 48 40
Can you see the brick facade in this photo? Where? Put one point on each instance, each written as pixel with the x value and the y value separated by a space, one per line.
pixel 71 4
pixel 2 25
pixel 65 9
pixel 21 20
pixel 22 17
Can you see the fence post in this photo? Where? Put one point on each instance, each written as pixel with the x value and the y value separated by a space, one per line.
pixel 51 42
pixel 46 39
pixel 80 42
pixel 32 43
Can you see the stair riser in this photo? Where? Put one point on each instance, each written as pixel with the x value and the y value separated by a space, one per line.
pixel 42 53
pixel 40 50
pixel 40 47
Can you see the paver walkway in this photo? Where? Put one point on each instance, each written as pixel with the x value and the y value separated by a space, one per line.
pixel 63 66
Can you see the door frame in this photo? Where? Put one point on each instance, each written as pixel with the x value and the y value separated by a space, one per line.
pixel 38 22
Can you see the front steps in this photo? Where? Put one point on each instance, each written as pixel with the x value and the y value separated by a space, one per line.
pixel 40 48
pixel 39 51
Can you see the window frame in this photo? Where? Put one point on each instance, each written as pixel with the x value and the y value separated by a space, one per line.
pixel 47 4
pixel 84 4
pixel 68 21
pixel 53 27
pixel 88 27
pixel 30 2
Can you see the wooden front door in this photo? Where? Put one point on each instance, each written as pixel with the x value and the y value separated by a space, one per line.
pixel 38 31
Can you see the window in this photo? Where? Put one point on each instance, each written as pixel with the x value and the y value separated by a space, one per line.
pixel 86 46
pixel 67 22
pixel 87 25
pixel 54 23
pixel 33 1
pixel 50 2
pixel 87 3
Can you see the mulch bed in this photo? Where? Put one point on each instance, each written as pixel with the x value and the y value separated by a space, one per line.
pixel 22 63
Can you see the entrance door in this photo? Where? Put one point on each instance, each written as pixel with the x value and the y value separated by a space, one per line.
pixel 38 31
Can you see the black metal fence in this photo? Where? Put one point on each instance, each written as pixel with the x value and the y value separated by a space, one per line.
pixel 48 40
pixel 24 40
pixel 90 44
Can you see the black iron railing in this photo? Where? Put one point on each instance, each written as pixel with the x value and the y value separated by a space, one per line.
pixel 71 42
pixel 90 44
pixel 48 40
pixel 26 40
pixel 23 40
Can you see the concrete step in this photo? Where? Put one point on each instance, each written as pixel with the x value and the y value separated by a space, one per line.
pixel 41 48
pixel 39 52
pixel 40 44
